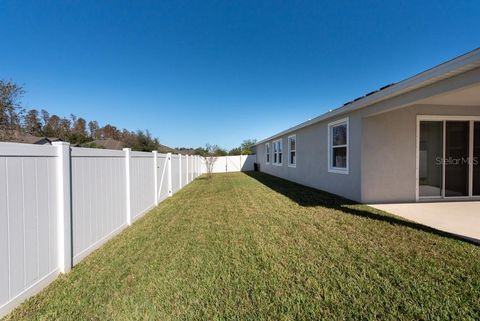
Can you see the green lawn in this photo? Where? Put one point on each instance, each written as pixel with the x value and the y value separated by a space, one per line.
pixel 255 247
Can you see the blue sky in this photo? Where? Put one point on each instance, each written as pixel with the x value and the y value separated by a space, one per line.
pixel 194 72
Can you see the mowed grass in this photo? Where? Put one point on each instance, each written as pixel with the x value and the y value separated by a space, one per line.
pixel 255 247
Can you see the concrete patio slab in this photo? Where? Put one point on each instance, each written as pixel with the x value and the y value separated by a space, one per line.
pixel 460 218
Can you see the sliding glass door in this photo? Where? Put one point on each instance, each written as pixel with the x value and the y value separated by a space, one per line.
pixel 457 153
pixel 476 159
pixel 448 157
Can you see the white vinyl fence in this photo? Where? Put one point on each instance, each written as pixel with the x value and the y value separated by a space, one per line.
pixel 58 204
pixel 228 164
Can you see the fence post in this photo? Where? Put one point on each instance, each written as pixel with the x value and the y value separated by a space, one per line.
pixel 169 173
pixel 155 175
pixel 186 170
pixel 64 203
pixel 127 183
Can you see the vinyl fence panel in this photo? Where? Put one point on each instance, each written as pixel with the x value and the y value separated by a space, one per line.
pixel 175 173
pixel 237 163
pixel 162 174
pixel 220 165
pixel 58 204
pixel 234 163
pixel 142 180
pixel 98 198
pixel 189 163
pixel 28 221
pixel 190 167
pixel 247 162
pixel 184 170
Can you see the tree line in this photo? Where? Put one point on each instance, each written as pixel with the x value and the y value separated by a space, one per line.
pixel 15 118
pixel 245 148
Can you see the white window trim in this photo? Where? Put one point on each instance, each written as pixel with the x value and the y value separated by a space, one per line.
pixel 277 163
pixel 268 152
pixel 290 151
pixel 338 170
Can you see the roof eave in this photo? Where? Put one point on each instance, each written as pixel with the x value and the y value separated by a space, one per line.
pixel 424 78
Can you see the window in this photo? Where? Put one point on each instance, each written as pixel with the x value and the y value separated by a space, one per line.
pixel 338 146
pixel 277 152
pixel 292 151
pixel 267 149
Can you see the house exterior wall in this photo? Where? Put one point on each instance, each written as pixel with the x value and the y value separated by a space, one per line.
pixel 382 131
pixel 382 155
pixel 389 151
pixel 312 159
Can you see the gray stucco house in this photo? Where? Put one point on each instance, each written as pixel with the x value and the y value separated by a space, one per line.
pixel 416 140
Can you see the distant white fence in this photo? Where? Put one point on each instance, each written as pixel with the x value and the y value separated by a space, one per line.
pixel 228 164
pixel 58 204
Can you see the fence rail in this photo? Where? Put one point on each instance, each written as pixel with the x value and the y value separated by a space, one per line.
pixel 59 203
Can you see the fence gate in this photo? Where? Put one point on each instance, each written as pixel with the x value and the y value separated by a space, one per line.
pixel 234 164
pixel 163 189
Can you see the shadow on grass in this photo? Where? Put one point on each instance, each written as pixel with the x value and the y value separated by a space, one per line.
pixel 310 197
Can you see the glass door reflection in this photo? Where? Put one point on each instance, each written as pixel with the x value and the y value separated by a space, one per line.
pixel 457 148
pixel 430 159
